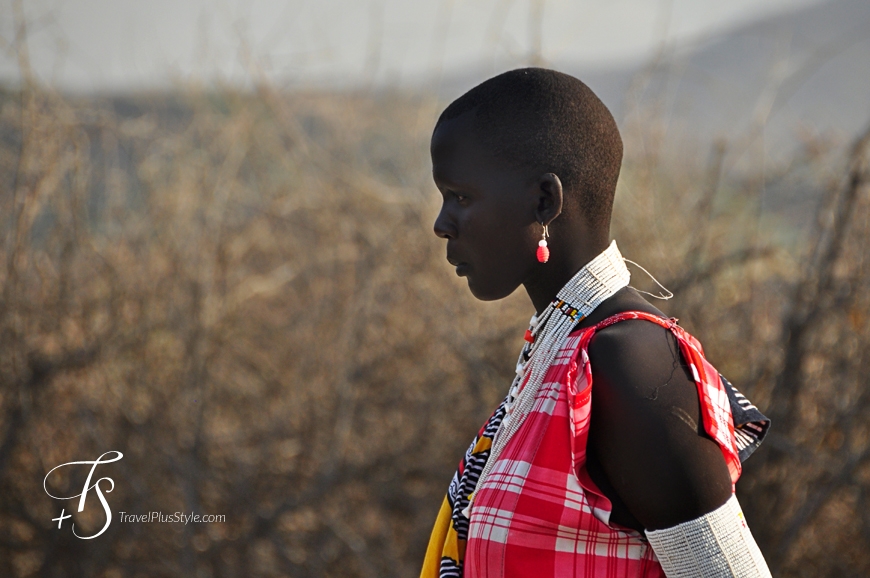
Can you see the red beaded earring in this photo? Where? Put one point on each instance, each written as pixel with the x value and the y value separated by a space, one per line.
pixel 543 252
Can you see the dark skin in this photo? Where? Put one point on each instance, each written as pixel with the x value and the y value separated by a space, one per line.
pixel 647 450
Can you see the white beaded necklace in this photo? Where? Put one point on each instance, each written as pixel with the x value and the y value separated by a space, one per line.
pixel 600 279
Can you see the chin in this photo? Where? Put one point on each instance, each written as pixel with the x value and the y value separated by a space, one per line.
pixel 487 293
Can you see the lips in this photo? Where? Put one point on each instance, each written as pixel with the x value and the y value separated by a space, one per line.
pixel 461 266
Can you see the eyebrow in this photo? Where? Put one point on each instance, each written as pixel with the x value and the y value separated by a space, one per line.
pixel 440 180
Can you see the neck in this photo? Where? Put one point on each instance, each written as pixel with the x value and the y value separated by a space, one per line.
pixel 554 274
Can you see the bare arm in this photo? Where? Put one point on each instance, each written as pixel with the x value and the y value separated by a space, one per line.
pixel 647 444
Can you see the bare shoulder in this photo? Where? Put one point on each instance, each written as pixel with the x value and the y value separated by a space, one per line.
pixel 642 360
pixel 646 430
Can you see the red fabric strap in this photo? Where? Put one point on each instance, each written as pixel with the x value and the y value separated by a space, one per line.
pixel 715 407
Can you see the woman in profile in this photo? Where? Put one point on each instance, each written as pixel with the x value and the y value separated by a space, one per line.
pixel 617 447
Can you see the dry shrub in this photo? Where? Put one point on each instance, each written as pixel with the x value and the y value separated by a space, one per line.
pixel 244 295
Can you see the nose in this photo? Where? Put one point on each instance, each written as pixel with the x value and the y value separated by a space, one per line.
pixel 444 227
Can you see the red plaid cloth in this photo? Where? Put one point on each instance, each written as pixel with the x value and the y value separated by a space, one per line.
pixel 538 513
pixel 715 405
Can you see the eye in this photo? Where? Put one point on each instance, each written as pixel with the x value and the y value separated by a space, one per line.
pixel 460 198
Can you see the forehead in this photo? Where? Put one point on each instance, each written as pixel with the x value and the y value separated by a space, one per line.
pixel 459 154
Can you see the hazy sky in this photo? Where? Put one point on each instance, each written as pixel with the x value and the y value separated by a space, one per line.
pixel 122 44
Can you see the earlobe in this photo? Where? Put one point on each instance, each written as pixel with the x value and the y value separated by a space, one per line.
pixel 550 198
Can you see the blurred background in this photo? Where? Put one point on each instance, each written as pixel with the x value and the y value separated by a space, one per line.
pixel 218 259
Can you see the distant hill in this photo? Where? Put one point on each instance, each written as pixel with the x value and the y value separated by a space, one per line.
pixel 807 69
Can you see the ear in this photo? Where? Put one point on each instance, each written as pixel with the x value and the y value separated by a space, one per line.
pixel 550 198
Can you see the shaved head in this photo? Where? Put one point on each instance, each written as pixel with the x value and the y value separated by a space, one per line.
pixel 550 122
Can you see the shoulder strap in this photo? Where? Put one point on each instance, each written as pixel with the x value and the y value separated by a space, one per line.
pixel 666 322
pixel 715 405
pixel 750 425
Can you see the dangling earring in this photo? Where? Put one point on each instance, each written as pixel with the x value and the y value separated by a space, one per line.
pixel 543 252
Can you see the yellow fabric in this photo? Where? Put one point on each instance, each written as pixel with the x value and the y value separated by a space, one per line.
pixel 438 542
pixel 444 541
pixel 483 444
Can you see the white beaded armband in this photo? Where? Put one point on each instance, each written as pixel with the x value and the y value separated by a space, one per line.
pixel 716 545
